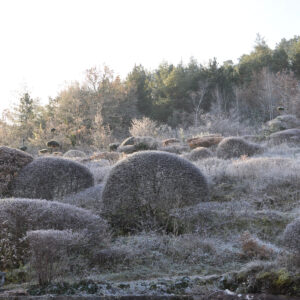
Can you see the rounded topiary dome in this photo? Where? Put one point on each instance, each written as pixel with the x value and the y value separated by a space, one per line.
pixel 291 236
pixel 235 147
pixel 50 178
pixel 23 215
pixel 147 185
pixel 199 153
pixel 11 162
pixel 74 153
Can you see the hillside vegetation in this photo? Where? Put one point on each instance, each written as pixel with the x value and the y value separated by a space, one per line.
pixel 227 98
pixel 184 180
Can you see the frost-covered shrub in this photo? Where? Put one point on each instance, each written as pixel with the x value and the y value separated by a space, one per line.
pixel 161 251
pixel 235 147
pixel 276 169
pixel 199 153
pixel 53 253
pixel 214 167
pixel 276 178
pixel 225 124
pixel 99 169
pixel 17 216
pixel 89 198
pixel 142 189
pixel 49 178
pixel 143 127
pixel 282 123
pixel 11 161
pixel 253 138
pixel 282 150
pixel 177 148
pixel 74 153
pixel 190 248
pixel 290 136
pixel 291 236
pixel 111 156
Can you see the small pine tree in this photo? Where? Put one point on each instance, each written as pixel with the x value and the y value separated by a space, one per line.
pixel 25 114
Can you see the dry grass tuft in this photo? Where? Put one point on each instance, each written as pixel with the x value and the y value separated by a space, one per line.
pixel 253 248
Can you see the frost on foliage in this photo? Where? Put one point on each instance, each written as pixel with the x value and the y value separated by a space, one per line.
pixel 89 198
pixel 74 153
pixel 282 123
pixel 143 127
pixel 235 147
pixel 290 136
pixel 49 178
pixel 175 148
pixel 291 236
pixel 99 169
pixel 199 153
pixel 17 216
pixel 147 185
pixel 53 252
pixel 11 162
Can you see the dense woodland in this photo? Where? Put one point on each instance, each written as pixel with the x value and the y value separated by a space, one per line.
pixel 100 110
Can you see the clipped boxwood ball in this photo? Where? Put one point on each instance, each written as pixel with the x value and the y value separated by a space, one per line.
pixel 74 153
pixel 234 147
pixel 50 178
pixel 141 190
pixel 291 236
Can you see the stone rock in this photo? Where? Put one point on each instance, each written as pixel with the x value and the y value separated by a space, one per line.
pixel 53 144
pixel 167 142
pixel 139 143
pixel 128 141
pixel 204 141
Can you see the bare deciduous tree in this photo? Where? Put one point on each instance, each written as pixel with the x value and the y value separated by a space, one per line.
pixel 197 99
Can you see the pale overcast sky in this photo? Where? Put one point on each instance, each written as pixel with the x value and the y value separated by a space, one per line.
pixel 45 43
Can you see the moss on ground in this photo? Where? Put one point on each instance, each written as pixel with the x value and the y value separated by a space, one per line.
pixel 275 281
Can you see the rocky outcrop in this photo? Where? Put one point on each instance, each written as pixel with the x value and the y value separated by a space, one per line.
pixel 205 141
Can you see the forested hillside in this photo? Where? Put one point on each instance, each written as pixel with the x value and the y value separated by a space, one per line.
pixel 100 110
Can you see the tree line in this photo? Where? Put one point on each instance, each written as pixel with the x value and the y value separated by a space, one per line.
pixel 100 109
